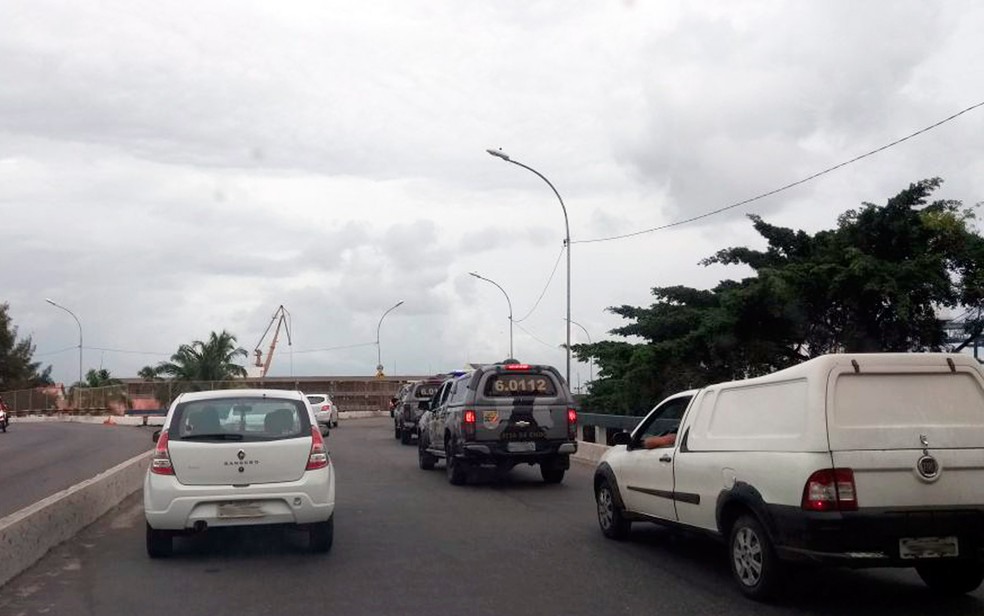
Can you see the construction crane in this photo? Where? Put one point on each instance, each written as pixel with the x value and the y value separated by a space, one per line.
pixel 282 318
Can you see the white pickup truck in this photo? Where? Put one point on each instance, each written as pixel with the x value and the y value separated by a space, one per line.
pixel 861 460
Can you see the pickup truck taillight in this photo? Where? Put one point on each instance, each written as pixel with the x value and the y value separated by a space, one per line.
pixel 468 420
pixel 571 424
pixel 160 464
pixel 830 489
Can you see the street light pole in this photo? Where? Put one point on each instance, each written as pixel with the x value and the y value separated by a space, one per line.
pixel 80 336
pixel 511 356
pixel 590 371
pixel 567 245
pixel 379 353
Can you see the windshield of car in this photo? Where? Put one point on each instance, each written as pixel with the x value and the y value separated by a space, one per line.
pixel 246 419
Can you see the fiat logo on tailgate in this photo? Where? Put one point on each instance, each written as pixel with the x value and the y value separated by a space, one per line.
pixel 928 468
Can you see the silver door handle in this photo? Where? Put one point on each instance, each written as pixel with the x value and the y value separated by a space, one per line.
pixel 665 458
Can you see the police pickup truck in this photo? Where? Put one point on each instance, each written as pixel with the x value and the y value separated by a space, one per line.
pixel 500 415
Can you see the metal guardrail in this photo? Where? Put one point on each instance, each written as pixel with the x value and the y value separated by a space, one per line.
pixel 601 428
pixel 623 422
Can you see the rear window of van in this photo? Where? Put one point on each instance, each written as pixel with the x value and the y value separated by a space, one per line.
pixel 240 419
pixel 914 400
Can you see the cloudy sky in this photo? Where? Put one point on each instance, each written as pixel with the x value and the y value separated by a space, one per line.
pixel 172 168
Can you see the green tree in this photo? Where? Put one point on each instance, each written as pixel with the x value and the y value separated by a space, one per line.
pixel 210 360
pixel 149 373
pixel 17 370
pixel 99 378
pixel 877 282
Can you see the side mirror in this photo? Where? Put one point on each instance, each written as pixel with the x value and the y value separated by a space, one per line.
pixel 424 405
pixel 324 430
pixel 622 438
pixel 156 436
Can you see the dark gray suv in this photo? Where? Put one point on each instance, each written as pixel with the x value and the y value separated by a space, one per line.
pixel 500 415
pixel 409 409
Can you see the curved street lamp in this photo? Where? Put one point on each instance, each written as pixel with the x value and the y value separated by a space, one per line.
pixel 567 245
pixel 379 354
pixel 507 302
pixel 590 370
pixel 56 305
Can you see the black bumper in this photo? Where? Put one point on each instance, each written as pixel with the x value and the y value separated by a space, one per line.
pixel 870 537
pixel 495 452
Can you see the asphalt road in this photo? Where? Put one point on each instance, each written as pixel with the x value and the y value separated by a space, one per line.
pixel 39 459
pixel 407 542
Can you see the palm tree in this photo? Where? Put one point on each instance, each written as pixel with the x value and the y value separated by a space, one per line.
pixel 211 360
pixel 99 378
pixel 148 373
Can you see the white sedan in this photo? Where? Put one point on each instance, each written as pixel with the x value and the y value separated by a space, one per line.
pixel 325 410
pixel 237 458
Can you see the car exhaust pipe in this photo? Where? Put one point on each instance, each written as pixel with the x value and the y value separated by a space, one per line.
pixel 200 526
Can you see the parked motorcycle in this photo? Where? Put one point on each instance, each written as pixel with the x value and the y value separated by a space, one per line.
pixel 4 416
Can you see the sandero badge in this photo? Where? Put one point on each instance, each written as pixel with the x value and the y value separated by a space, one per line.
pixel 242 462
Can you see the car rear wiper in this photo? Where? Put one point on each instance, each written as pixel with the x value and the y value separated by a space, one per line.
pixel 218 437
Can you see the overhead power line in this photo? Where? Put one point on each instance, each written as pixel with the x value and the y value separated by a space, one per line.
pixel 545 287
pixel 65 350
pixel 338 348
pixel 787 186
pixel 127 351
pixel 533 336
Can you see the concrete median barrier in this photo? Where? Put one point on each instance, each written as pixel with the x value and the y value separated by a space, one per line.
pixel 589 453
pixel 28 534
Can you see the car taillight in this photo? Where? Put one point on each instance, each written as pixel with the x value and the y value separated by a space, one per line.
pixel 830 490
pixel 325 407
pixel 571 423
pixel 468 420
pixel 160 464
pixel 318 458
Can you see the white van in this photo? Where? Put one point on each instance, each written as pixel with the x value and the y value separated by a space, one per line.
pixel 862 460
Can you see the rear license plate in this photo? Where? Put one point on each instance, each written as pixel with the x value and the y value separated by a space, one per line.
pixel 928 547
pixel 521 447
pixel 241 509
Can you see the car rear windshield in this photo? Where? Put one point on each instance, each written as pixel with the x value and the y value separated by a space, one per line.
pixel 512 385
pixel 240 419
pixel 424 392
pixel 317 399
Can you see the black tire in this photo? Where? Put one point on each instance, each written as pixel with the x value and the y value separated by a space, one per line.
pixel 754 564
pixel 397 431
pixel 321 535
pixel 952 578
pixel 613 524
pixel 457 469
pixel 425 459
pixel 406 437
pixel 160 543
pixel 551 474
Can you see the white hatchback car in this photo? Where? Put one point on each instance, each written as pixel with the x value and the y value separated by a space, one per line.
pixel 236 458
pixel 325 410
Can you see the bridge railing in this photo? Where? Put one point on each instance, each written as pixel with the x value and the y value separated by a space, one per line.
pixel 601 428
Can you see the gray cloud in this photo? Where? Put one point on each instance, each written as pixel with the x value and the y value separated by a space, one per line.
pixel 166 172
